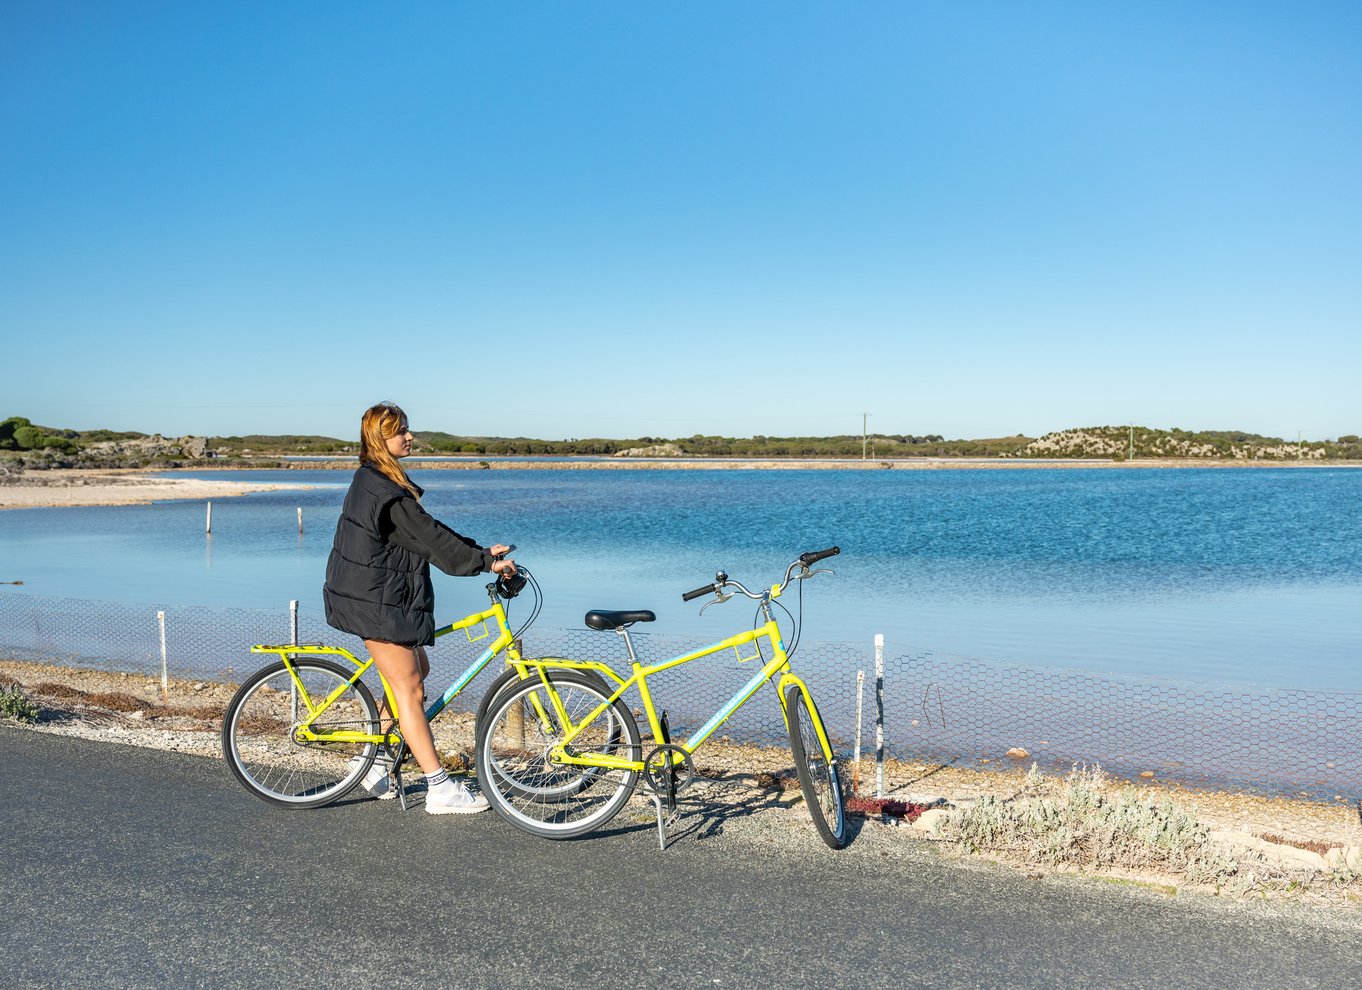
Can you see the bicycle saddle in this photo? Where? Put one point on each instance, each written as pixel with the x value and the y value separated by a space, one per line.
pixel 613 620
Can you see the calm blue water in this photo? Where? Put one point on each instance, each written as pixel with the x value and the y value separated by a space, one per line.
pixel 1247 576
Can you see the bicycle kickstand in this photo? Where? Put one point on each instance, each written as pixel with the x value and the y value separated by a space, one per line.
pixel 399 755
pixel 673 812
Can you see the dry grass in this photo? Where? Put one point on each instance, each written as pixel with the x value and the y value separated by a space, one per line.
pixel 1087 822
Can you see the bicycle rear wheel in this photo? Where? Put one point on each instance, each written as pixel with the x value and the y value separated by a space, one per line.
pixel 818 777
pixel 259 741
pixel 555 801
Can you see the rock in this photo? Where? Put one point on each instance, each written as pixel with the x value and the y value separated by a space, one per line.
pixel 1274 853
pixel 930 821
pixel 1346 857
pixel 656 450
pixel 1017 753
pixel 926 800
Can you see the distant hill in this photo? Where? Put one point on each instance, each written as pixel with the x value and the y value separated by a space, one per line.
pixel 43 446
pixel 1121 442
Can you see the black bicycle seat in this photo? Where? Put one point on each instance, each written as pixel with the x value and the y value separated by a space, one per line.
pixel 613 620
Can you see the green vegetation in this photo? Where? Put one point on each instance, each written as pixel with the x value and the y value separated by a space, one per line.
pixel 25 444
pixel 274 446
pixel 877 445
pixel 18 433
pixel 14 704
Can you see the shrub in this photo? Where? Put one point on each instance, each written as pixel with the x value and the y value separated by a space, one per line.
pixel 16 705
pixel 1087 822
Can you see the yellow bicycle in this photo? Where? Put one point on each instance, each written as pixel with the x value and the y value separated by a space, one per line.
pixel 559 753
pixel 304 730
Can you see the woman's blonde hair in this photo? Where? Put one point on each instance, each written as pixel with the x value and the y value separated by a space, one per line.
pixel 379 424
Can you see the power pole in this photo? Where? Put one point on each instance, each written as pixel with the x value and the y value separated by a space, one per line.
pixel 864 416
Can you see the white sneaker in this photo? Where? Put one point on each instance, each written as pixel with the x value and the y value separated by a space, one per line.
pixel 450 798
pixel 376 780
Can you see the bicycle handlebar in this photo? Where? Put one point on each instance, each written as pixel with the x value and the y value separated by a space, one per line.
pixel 722 580
pixel 814 556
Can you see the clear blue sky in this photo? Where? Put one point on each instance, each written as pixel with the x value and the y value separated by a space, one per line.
pixel 591 219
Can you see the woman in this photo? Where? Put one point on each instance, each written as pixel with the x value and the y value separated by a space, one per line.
pixel 378 588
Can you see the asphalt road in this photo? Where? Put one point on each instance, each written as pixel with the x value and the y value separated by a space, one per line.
pixel 126 867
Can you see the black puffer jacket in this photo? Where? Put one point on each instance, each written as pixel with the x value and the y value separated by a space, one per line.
pixel 376 589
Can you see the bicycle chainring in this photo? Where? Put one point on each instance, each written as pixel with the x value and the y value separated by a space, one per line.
pixel 668 770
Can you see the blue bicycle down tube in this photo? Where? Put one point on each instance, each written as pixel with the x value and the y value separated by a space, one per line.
pixel 473 669
pixel 728 709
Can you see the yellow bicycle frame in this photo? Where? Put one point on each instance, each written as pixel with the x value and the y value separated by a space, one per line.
pixel 779 663
pixel 304 731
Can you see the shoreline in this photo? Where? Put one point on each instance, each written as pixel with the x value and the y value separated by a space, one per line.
pixel 439 462
pixel 54 488
pixel 58 488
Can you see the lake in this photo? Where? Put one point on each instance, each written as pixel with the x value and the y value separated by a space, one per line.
pixel 1249 576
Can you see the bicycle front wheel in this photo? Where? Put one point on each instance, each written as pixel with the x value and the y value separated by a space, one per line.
pixel 818 777
pixel 517 774
pixel 260 741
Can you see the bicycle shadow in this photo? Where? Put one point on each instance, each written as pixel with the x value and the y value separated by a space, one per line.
pixel 710 804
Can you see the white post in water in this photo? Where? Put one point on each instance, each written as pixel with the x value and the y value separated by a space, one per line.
pixel 293 621
pixel 165 669
pixel 300 518
pixel 208 526
pixel 856 756
pixel 879 714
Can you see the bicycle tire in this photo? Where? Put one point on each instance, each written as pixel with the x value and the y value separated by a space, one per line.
pixel 818 777
pixel 258 743
pixel 535 795
pixel 564 782
pixel 511 676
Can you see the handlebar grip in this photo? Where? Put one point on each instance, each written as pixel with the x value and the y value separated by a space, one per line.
pixel 814 556
pixel 697 593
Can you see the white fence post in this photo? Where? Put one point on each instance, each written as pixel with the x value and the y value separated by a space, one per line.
pixel 165 668
pixel 856 757
pixel 879 714
pixel 293 621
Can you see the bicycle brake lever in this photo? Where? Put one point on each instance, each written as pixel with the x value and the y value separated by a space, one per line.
pixel 719 599
pixel 808 574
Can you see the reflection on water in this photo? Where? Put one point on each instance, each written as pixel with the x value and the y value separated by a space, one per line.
pixel 1239 575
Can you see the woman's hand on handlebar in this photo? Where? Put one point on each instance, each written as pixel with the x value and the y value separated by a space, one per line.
pixel 499 549
pixel 504 567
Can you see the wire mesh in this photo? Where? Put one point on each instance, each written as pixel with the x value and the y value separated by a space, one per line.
pixel 935 708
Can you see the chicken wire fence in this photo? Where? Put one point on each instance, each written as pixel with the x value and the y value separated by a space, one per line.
pixel 905 713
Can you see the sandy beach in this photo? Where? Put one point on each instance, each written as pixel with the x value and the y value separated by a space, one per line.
pixel 75 486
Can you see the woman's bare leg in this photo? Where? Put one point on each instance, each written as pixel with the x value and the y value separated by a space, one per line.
pixel 404 669
pixel 386 716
